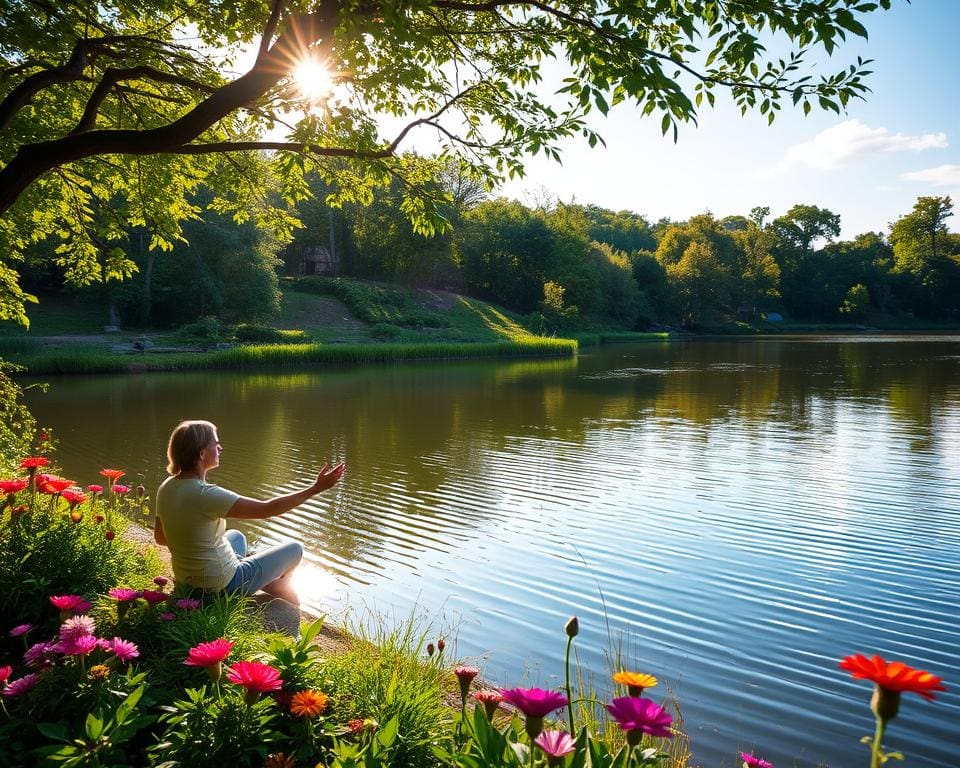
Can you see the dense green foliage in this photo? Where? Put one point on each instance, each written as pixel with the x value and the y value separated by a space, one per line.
pixel 111 121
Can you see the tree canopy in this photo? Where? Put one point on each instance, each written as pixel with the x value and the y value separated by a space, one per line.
pixel 113 113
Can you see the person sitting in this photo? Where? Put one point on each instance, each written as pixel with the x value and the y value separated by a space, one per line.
pixel 191 521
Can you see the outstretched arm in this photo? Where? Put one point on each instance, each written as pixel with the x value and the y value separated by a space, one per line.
pixel 254 509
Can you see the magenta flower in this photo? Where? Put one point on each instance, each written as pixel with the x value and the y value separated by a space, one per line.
pixel 161 581
pixel 188 604
pixel 5 673
pixel 210 656
pixel 41 654
pixel 153 597
pixel 637 716
pixel 536 704
pixel 256 677
pixel 70 604
pixel 123 650
pixel 95 488
pixel 555 745
pixel 79 646
pixel 167 616
pixel 21 685
pixel 121 489
pixel 124 595
pixel 20 629
pixel 77 626
pixel 754 762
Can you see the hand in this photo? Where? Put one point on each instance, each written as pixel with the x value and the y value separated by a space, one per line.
pixel 328 477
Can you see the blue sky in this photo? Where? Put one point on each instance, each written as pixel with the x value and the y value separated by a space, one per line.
pixel 869 164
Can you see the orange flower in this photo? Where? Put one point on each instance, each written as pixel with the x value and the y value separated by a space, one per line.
pixel 308 703
pixel 112 474
pixel 635 681
pixel 892 676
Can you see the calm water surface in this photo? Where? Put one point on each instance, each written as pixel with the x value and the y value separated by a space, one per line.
pixel 747 512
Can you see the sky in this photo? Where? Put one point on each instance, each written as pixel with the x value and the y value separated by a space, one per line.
pixel 869 164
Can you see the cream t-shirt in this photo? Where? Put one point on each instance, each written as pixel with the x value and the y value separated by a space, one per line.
pixel 192 513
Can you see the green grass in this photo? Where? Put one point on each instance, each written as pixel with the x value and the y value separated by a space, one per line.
pixel 88 360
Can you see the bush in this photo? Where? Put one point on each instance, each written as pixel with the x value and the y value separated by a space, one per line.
pixel 206 329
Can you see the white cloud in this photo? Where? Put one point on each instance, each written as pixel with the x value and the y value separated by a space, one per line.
pixel 851 138
pixel 941 176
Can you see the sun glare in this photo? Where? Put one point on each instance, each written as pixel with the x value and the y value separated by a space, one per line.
pixel 313 80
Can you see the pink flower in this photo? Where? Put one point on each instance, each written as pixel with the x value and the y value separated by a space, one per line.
pixel 121 489
pixel 490 700
pixel 20 629
pixel 124 595
pixel 153 597
pixel 535 703
pixel 94 488
pixel 636 714
pixel 5 673
pixel 555 744
pixel 167 616
pixel 208 654
pixel 77 626
pixel 79 646
pixel 754 762
pixel 256 677
pixel 124 650
pixel 161 581
pixel 73 497
pixel 22 685
pixel 188 604
pixel 465 676
pixel 70 604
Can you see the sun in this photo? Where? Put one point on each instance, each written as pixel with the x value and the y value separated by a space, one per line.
pixel 313 80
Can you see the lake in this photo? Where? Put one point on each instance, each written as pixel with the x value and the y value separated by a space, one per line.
pixel 734 516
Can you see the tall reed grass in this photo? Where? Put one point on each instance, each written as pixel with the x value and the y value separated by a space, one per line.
pixel 286 356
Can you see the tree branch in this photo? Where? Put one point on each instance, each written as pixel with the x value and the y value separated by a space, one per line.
pixel 113 76
pixel 34 160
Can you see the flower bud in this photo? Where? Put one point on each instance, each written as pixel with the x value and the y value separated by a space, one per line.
pixel 572 627
pixel 108 535
pixel 429 649
pixel 885 703
pixel 441 644
pixel 141 491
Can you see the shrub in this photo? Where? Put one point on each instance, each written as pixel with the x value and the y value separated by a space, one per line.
pixel 206 329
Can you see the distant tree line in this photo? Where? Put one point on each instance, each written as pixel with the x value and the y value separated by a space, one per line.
pixel 570 265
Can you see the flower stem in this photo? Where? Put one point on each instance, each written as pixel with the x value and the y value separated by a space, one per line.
pixel 569 692
pixel 876 754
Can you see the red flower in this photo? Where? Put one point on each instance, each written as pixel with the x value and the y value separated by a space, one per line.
pixel 153 597
pixel 32 462
pixel 10 487
pixel 112 474
pixel 490 700
pixel 892 676
pixel 54 485
pixel 109 535
pixel 208 654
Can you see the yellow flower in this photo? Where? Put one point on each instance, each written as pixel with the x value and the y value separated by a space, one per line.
pixel 308 703
pixel 635 681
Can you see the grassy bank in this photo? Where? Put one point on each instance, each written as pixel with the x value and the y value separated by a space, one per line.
pixel 84 359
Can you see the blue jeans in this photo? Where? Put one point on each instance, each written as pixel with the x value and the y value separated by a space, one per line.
pixel 256 571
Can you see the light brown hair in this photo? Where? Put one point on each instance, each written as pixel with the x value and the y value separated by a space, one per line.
pixel 187 440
